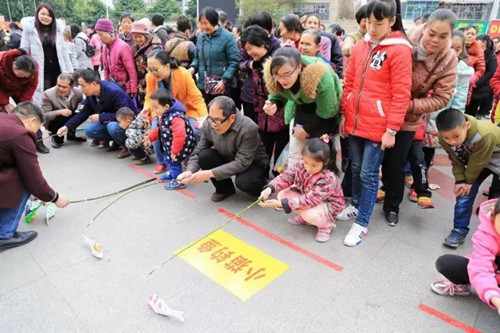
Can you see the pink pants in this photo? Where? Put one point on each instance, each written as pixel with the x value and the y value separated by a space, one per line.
pixel 317 216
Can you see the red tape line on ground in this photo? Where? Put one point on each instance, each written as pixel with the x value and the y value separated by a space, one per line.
pixel 447 319
pixel 150 175
pixel 280 240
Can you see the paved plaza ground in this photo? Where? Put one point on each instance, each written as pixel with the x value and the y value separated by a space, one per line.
pixel 54 284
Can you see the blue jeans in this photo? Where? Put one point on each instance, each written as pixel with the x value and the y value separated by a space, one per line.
pixel 106 132
pixel 464 203
pixel 366 157
pixel 156 144
pixel 9 217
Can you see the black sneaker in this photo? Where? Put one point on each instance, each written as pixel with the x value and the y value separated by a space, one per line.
pixel 41 148
pixel 114 147
pixel 72 137
pixel 19 238
pixel 392 218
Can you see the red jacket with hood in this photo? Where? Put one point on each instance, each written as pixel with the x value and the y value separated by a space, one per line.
pixel 377 86
pixel 10 84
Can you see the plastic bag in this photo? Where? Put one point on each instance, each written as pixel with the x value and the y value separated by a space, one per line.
pixel 282 161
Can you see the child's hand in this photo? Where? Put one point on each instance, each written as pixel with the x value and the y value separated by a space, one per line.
pixel 496 302
pixel 264 195
pixel 270 204
pixel 173 157
pixel 462 189
pixel 145 113
pixel 146 142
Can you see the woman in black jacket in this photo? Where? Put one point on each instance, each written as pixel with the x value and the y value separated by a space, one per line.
pixel 482 95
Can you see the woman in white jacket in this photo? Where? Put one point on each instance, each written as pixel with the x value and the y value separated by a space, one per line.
pixel 42 37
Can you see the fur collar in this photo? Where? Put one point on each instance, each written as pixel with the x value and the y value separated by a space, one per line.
pixel 446 55
pixel 310 77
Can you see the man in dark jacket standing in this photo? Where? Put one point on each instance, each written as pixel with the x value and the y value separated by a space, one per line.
pixel 229 146
pixel 20 173
pixel 15 36
pixel 100 106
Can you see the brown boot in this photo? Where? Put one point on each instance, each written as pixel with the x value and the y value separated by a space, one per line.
pixel 123 153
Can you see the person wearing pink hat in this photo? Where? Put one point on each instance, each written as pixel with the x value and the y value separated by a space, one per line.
pixel 145 43
pixel 117 58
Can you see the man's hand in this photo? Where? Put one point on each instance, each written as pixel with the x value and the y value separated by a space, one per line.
pixel 388 141
pixel 264 195
pixel 462 189
pixel 198 177
pixel 62 131
pixel 64 112
pixel 184 175
pixel 299 133
pixel 94 118
pixel 270 108
pixel 62 201
pixel 271 204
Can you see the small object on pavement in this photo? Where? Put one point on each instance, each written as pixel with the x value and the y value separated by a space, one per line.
pixel 434 187
pixel 94 247
pixel 32 206
pixel 160 307
pixel 50 212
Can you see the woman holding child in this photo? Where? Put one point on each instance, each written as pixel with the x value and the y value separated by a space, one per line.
pixel 164 73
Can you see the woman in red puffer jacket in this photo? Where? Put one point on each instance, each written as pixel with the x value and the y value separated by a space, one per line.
pixel 374 104
pixel 476 57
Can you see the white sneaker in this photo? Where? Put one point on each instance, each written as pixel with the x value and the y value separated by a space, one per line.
pixel 350 212
pixel 355 235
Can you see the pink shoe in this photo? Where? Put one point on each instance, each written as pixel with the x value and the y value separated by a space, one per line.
pixel 446 288
pixel 296 220
pixel 323 235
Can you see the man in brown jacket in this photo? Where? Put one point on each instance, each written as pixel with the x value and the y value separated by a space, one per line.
pixel 20 173
pixel 230 145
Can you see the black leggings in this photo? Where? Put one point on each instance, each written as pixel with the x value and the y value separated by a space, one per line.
pixel 454 268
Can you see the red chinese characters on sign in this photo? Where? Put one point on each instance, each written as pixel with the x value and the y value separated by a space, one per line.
pixel 223 255
pixel 494 29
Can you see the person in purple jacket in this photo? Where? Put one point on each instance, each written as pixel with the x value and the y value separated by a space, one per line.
pixel 20 173
pixel 100 106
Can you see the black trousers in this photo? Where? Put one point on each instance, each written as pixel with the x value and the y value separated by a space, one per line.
pixel 429 156
pixel 393 175
pixel 419 170
pixel 249 110
pixel 346 168
pixel 454 268
pixel 275 141
pixel 250 181
pixel 479 106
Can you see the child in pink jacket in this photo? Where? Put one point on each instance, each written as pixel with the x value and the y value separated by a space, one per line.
pixel 311 189
pixel 482 268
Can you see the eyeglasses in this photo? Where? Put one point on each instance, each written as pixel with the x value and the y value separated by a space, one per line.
pixel 217 122
pixel 285 75
pixel 156 70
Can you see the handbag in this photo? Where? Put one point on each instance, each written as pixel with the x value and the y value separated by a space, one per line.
pixel 211 81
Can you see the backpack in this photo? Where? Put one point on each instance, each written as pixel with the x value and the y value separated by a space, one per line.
pixel 89 49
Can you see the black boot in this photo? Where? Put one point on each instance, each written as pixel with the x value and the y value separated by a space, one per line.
pixel 57 142
pixel 72 137
pixel 41 148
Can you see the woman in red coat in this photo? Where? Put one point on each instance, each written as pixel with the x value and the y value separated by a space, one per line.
pixel 476 57
pixel 19 73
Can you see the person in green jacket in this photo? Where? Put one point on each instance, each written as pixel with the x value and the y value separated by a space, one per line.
pixel 474 150
pixel 311 91
pixel 217 57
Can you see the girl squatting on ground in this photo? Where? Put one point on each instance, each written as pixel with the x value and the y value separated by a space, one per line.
pixel 311 188
pixel 374 104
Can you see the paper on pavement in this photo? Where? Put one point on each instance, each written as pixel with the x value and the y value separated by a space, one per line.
pixel 94 247
pixel 160 307
pixel 50 212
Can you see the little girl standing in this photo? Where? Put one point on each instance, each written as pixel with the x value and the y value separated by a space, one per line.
pixel 376 96
pixel 481 268
pixel 311 188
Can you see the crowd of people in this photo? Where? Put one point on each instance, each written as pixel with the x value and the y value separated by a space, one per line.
pixel 218 102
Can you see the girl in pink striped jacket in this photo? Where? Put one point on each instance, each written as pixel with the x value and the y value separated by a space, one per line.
pixel 482 268
pixel 311 188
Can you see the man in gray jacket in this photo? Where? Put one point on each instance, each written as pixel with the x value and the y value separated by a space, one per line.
pixel 229 146
pixel 59 104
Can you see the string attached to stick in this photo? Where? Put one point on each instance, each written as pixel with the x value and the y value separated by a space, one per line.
pixel 114 193
pixel 210 233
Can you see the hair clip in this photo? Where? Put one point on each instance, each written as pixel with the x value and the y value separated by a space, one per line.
pixel 325 138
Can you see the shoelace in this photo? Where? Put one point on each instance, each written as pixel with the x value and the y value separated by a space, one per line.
pixel 450 287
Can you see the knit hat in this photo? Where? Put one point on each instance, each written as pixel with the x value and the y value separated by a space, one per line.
pixel 139 28
pixel 104 25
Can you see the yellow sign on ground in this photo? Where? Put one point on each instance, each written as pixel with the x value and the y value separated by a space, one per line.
pixel 237 266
